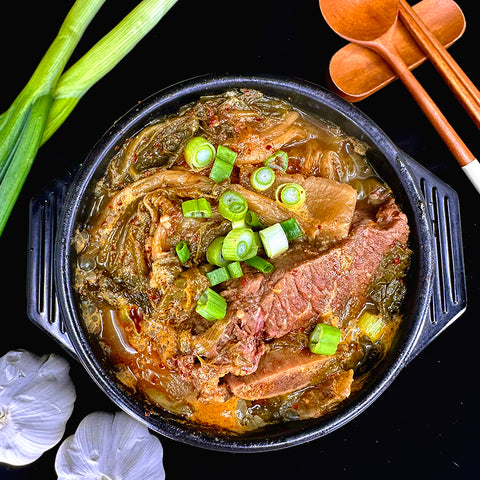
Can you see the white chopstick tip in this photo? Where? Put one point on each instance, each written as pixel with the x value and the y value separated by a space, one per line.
pixel 472 171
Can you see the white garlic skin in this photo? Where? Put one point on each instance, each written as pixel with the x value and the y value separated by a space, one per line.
pixel 36 400
pixel 110 446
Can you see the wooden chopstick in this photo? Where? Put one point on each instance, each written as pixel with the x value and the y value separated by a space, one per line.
pixel 463 88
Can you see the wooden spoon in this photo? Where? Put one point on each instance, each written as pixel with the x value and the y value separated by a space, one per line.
pixel 372 23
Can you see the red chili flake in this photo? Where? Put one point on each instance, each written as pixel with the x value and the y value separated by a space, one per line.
pixel 319 227
pixel 117 147
pixel 268 147
pixel 396 261
pixel 134 158
pixel 258 119
pixel 244 281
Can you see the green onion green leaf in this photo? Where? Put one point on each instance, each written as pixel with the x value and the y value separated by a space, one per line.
pixel 183 251
pixel 197 208
pixel 260 264
pixel 324 339
pixel 211 305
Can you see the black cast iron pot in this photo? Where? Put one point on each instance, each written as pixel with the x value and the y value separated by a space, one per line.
pixel 436 281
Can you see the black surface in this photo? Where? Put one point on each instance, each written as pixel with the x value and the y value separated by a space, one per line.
pixel 426 423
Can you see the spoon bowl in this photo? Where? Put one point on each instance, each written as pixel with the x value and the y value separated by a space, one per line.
pixel 360 20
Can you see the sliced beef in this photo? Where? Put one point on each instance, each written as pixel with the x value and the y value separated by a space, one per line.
pixel 306 284
pixel 278 372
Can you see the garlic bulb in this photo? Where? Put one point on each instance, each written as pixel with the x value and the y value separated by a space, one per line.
pixel 36 400
pixel 110 446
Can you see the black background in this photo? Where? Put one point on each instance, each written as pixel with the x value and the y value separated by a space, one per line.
pixel 426 423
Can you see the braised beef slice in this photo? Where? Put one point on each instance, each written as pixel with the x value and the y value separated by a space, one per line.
pixel 305 285
pixel 278 372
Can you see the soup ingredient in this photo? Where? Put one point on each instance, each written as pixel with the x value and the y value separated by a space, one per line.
pixel 324 339
pixel 113 446
pixel 223 165
pixel 36 400
pixel 199 153
pixel 371 324
pixel 50 96
pixel 274 240
pixel 262 178
pixel 211 305
pixel 292 195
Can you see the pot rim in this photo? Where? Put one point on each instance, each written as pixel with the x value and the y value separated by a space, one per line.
pixel 175 95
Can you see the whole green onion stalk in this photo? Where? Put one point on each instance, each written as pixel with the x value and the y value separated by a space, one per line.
pixel 51 94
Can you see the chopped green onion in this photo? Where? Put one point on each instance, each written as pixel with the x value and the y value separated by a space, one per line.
pixel 371 324
pixel 251 218
pixel 274 240
pixel 211 305
pixel 218 275
pixel 197 207
pixel 223 165
pixel 278 161
pixel 199 153
pixel 235 269
pixel 324 339
pixel 291 229
pixel 260 264
pixel 214 253
pixel 232 206
pixel 183 251
pixel 290 195
pixel 262 178
pixel 239 244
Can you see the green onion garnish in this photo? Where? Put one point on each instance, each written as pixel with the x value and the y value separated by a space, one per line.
pixel 218 275
pixel 232 206
pixel 239 244
pixel 260 264
pixel 291 229
pixel 235 269
pixel 223 165
pixel 290 195
pixel 199 153
pixel 278 161
pixel 251 218
pixel 197 207
pixel 274 240
pixel 262 178
pixel 214 253
pixel 371 324
pixel 324 339
pixel 183 251
pixel 211 305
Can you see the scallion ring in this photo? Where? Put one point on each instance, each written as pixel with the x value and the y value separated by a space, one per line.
pixel 235 269
pixel 218 275
pixel 197 207
pixel 324 339
pixel 214 253
pixel 260 264
pixel 274 240
pixel 278 161
pixel 251 218
pixel 290 195
pixel 223 164
pixel 199 153
pixel 239 244
pixel 183 251
pixel 232 206
pixel 211 305
pixel 262 178
pixel 291 229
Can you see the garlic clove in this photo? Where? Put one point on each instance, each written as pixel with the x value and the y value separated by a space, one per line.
pixel 113 446
pixel 36 400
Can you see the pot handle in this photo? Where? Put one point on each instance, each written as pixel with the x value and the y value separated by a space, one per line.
pixel 42 301
pixel 449 298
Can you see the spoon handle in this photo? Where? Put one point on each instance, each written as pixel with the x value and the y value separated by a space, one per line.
pixel 463 88
pixel 470 165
